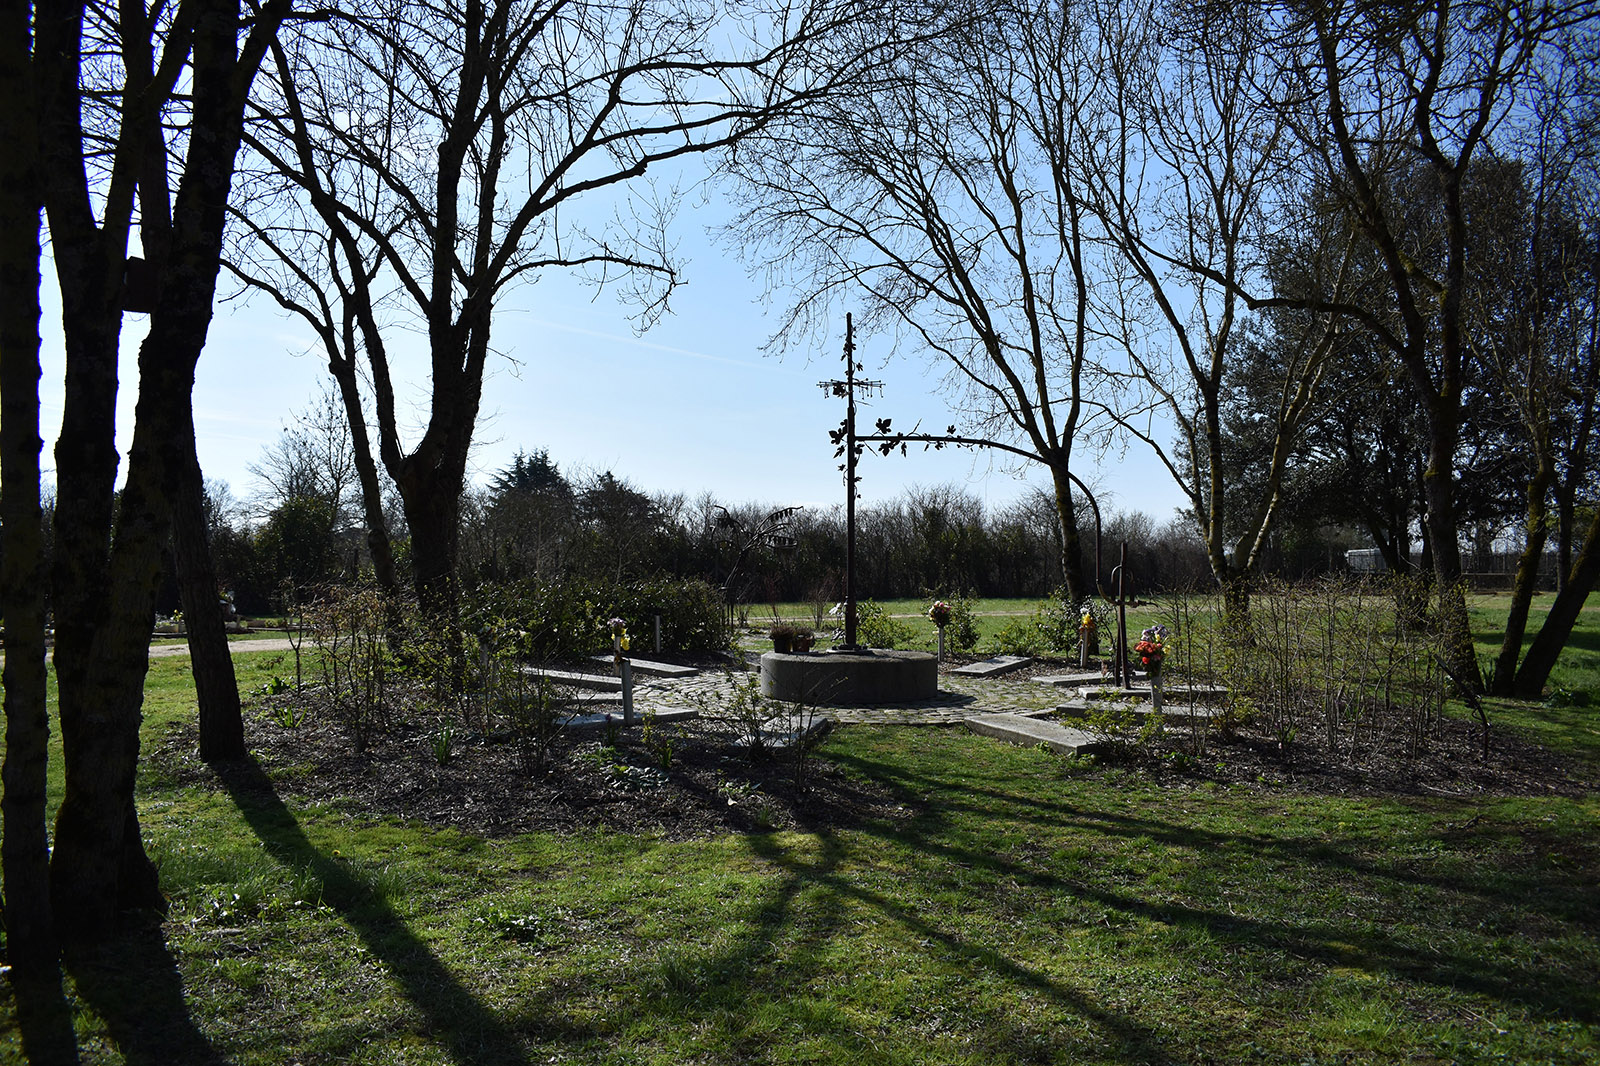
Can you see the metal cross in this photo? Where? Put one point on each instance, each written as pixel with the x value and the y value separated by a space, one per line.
pixel 845 439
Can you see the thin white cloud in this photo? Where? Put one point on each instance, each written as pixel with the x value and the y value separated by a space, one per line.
pixel 763 364
pixel 235 419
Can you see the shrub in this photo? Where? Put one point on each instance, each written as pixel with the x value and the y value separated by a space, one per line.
pixel 530 705
pixel 876 629
pixel 745 710
pixel 961 633
pixel 1053 627
pixel 1115 722
pixel 347 628
pixel 567 620
pixel 1332 660
pixel 1057 620
pixel 1019 636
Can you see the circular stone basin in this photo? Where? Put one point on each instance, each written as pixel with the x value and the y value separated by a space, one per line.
pixel 850 678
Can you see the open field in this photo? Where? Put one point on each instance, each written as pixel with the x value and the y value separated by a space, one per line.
pixel 1008 906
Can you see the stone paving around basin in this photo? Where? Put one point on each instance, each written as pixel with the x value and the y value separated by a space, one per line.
pixel 959 699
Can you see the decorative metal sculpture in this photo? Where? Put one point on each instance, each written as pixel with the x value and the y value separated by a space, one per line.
pixel 848 447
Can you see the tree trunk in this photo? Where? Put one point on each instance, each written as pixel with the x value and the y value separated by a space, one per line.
pixel 1577 457
pixel 1454 625
pixel 103 611
pixel 430 480
pixel 216 687
pixel 24 850
pixel 1537 530
pixel 1546 647
pixel 1078 588
pixel 1236 607
pixel 99 866
pixel 1566 520
pixel 378 543
pixel 433 515
pixel 106 576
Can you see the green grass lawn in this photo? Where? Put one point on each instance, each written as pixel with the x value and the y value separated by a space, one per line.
pixel 1023 908
pixel 991 616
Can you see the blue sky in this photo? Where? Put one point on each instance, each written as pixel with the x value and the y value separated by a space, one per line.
pixel 691 406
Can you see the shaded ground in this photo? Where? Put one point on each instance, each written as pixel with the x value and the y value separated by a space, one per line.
pixel 1448 763
pixel 698 776
pixel 1447 759
pixel 687 778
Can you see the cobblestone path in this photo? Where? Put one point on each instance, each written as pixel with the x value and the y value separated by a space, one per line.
pixel 959 699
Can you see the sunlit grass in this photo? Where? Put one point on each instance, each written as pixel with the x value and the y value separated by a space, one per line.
pixel 1021 908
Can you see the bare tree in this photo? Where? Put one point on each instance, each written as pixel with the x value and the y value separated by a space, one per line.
pixel 420 158
pixel 1533 318
pixel 1196 185
pixel 1429 89
pixel 24 850
pixel 108 104
pixel 944 194
pixel 313 458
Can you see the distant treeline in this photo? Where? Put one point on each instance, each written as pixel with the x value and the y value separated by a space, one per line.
pixel 534 522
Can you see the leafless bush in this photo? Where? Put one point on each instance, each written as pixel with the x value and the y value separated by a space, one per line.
pixel 1198 655
pixel 347 628
pixel 511 695
pixel 1331 658
pixel 821 599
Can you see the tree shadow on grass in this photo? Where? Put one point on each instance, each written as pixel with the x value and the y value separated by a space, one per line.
pixel 1122 1036
pixel 1332 942
pixel 769 980
pixel 1531 894
pixel 970 797
pixel 465 1027
pixel 134 986
pixel 44 1020
pixel 1577 640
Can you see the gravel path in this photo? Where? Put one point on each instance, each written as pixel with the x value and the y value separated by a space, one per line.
pixel 163 651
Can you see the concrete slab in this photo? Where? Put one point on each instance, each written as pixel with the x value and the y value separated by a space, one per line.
pixel 1171 712
pixel 784 731
pixel 654 669
pixel 993 667
pixel 1173 692
pixel 1028 732
pixel 592 682
pixel 1086 677
pixel 596 719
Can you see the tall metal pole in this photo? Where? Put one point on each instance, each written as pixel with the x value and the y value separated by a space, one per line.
pixel 850 483
pixel 1124 664
pixel 848 443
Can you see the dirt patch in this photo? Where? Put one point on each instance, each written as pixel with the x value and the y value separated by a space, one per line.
pixel 1449 763
pixel 1449 760
pixel 698 777
pixel 690 778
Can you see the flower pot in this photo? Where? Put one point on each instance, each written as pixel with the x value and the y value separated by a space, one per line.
pixel 804 641
pixel 783 643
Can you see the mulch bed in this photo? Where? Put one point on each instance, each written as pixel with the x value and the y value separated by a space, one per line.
pixel 1451 764
pixel 712 783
